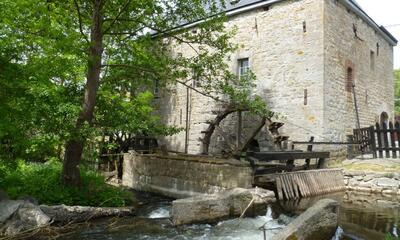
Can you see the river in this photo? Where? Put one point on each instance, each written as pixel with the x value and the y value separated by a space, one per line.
pixel 362 216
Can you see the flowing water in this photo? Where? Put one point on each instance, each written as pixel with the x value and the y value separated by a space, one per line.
pixel 361 217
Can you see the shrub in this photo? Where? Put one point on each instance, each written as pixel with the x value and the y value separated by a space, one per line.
pixel 42 181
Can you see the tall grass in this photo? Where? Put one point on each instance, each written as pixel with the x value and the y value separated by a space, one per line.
pixel 42 182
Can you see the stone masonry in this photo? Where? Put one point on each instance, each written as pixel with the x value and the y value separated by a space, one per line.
pixel 300 52
pixel 184 176
pixel 370 182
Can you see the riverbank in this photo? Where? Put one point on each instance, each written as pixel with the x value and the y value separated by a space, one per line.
pixel 372 175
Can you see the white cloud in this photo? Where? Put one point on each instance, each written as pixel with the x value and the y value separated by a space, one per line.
pixel 386 13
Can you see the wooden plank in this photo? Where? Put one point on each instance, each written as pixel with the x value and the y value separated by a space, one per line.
pixel 294 184
pixel 301 186
pixel 385 140
pixel 321 163
pixel 289 186
pixel 308 183
pixel 285 191
pixel 392 141
pixel 379 136
pixel 397 127
pixel 268 156
pixel 279 187
pixel 373 141
pixel 309 149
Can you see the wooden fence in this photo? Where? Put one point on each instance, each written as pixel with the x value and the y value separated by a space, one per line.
pixel 381 140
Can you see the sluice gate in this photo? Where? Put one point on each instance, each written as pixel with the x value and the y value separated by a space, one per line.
pixel 284 173
pixel 294 185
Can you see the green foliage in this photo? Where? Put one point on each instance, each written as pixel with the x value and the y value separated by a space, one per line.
pixel 397 90
pixel 390 237
pixel 44 58
pixel 42 181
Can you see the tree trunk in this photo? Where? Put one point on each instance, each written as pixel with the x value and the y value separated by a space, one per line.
pixel 74 147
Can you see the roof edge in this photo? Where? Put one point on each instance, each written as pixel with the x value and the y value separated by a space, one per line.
pixel 362 14
pixel 263 3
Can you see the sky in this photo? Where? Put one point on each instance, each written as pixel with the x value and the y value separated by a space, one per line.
pixel 386 13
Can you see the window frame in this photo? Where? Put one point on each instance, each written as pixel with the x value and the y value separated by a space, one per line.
pixel 241 66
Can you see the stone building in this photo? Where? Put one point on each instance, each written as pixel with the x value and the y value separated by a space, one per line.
pixel 306 55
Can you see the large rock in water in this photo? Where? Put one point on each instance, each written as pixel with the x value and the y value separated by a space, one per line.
pixel 319 222
pixel 211 208
pixel 19 215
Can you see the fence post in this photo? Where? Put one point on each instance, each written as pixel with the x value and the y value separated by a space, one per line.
pixel 379 136
pixel 350 147
pixel 373 141
pixel 309 149
pixel 385 139
pixel 392 140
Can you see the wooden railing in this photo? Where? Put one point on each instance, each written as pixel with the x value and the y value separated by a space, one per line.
pixel 382 140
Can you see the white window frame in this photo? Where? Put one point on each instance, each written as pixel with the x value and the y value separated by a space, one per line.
pixel 240 66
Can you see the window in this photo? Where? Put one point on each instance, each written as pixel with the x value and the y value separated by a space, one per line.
pixel 156 89
pixel 243 67
pixel 196 79
pixel 372 60
pixel 349 79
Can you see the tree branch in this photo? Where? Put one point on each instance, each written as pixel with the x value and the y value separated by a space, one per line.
pixel 200 92
pixel 118 15
pixel 80 21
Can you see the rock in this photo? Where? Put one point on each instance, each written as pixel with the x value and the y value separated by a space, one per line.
pixel 7 209
pixel 368 177
pixel 211 208
pixel 27 216
pixel 366 184
pixel 358 178
pixel 66 214
pixel 353 182
pixel 284 219
pixel 317 223
pixel 387 182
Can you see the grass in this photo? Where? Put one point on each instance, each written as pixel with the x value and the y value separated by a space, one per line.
pixel 42 182
pixel 368 167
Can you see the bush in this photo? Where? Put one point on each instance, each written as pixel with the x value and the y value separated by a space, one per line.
pixel 42 181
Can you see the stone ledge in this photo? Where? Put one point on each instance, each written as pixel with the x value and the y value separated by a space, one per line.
pixel 317 223
pixel 214 207
pixel 195 158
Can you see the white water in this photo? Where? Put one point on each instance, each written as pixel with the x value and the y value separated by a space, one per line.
pixel 161 212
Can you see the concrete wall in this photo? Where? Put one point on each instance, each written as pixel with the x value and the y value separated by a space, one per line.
pixel 184 176
pixel 373 86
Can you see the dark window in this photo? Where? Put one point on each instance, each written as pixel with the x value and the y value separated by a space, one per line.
pixel 349 79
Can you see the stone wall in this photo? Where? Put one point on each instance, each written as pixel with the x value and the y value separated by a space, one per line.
pixel 373 83
pixel 370 182
pixel 285 59
pixel 299 50
pixel 184 176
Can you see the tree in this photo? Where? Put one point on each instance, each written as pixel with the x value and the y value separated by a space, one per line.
pixel 397 90
pixel 106 52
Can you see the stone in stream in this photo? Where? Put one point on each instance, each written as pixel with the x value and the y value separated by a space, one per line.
pixel 317 223
pixel 214 207
pixel 20 215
